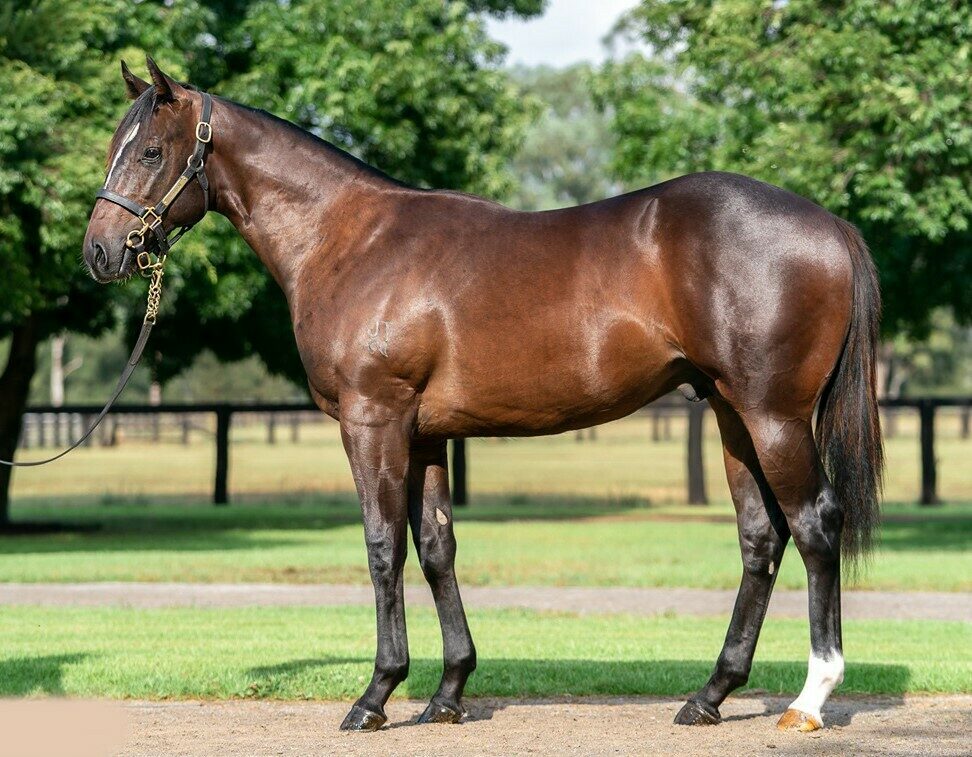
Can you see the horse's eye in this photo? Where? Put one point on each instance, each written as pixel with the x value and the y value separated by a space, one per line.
pixel 152 154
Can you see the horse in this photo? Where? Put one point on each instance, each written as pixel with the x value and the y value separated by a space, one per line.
pixel 427 315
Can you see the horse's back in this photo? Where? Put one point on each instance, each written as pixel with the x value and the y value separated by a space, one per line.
pixel 518 322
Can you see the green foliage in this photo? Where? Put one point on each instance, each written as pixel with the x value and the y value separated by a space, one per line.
pixel 566 153
pixel 862 106
pixel 414 87
pixel 52 121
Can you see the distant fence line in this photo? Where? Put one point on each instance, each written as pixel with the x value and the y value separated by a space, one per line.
pixel 47 425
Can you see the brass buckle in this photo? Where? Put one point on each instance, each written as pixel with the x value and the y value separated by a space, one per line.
pixel 147 264
pixel 156 218
pixel 139 234
pixel 144 262
pixel 207 128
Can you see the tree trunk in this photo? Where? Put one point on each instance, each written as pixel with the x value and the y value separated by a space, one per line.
pixel 57 370
pixel 14 388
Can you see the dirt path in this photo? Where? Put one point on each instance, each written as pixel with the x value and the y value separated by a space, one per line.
pixel 918 725
pixel 785 603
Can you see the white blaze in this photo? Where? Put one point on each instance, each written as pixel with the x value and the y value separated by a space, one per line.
pixel 128 138
pixel 823 675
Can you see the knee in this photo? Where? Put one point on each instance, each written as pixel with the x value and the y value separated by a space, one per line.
pixel 385 560
pixel 436 557
pixel 761 550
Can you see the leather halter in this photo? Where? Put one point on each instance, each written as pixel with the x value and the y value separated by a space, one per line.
pixel 153 216
pixel 152 219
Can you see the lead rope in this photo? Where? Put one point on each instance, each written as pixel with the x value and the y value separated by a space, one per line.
pixel 151 313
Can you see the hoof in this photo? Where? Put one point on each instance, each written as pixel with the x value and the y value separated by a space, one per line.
pixel 360 719
pixel 696 713
pixel 795 720
pixel 441 713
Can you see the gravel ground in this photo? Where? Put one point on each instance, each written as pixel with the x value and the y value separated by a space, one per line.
pixel 872 726
pixel 785 603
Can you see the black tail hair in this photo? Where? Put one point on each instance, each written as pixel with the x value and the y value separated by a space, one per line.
pixel 848 422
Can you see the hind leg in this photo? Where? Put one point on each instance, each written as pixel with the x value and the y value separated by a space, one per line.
pixel 763 534
pixel 788 456
pixel 430 516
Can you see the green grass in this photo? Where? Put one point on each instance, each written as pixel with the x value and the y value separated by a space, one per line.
pixel 327 653
pixel 502 541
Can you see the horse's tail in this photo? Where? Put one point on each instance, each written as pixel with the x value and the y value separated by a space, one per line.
pixel 848 424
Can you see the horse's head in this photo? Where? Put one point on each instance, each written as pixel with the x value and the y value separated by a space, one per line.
pixel 146 157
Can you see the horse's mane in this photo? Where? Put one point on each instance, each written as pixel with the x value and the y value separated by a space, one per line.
pixel 144 105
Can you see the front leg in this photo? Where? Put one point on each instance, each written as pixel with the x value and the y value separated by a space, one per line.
pixel 376 438
pixel 430 513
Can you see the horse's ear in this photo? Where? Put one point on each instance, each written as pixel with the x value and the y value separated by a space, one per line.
pixel 133 84
pixel 167 89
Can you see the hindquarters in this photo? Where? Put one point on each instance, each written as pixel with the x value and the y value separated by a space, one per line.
pixel 778 307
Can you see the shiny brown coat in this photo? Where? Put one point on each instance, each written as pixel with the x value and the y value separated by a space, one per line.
pixel 427 315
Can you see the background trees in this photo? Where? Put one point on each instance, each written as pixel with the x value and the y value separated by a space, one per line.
pixel 861 106
pixel 412 86
pixel 565 157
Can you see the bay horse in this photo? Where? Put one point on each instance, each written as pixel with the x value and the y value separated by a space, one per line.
pixel 424 315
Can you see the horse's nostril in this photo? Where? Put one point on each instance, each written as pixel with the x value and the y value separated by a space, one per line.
pixel 100 255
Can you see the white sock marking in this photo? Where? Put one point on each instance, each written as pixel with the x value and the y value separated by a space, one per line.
pixel 823 675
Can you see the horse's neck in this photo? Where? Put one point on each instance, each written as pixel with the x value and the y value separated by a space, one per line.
pixel 279 188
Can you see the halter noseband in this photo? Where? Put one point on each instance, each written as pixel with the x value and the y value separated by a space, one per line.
pixel 153 216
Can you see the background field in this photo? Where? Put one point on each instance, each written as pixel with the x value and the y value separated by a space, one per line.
pixel 526 541
pixel 622 464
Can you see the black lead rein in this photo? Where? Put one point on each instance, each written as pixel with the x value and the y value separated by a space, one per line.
pixel 151 218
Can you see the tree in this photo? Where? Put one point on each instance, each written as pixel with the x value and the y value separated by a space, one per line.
pixel 566 154
pixel 861 106
pixel 412 86
pixel 51 127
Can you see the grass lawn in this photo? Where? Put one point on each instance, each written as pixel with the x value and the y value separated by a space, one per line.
pixel 502 541
pixel 300 653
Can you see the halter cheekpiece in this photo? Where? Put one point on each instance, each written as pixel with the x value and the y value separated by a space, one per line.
pixel 153 216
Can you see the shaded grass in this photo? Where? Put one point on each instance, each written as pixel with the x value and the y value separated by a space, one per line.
pixel 327 653
pixel 533 541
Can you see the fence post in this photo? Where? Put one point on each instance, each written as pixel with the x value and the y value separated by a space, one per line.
pixel 460 492
pixel 929 473
pixel 271 428
pixel 964 433
pixel 696 466
pixel 220 493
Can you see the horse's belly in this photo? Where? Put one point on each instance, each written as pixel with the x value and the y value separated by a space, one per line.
pixel 539 377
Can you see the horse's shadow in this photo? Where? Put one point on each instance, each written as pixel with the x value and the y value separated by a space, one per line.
pixel 43 674
pixel 500 683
